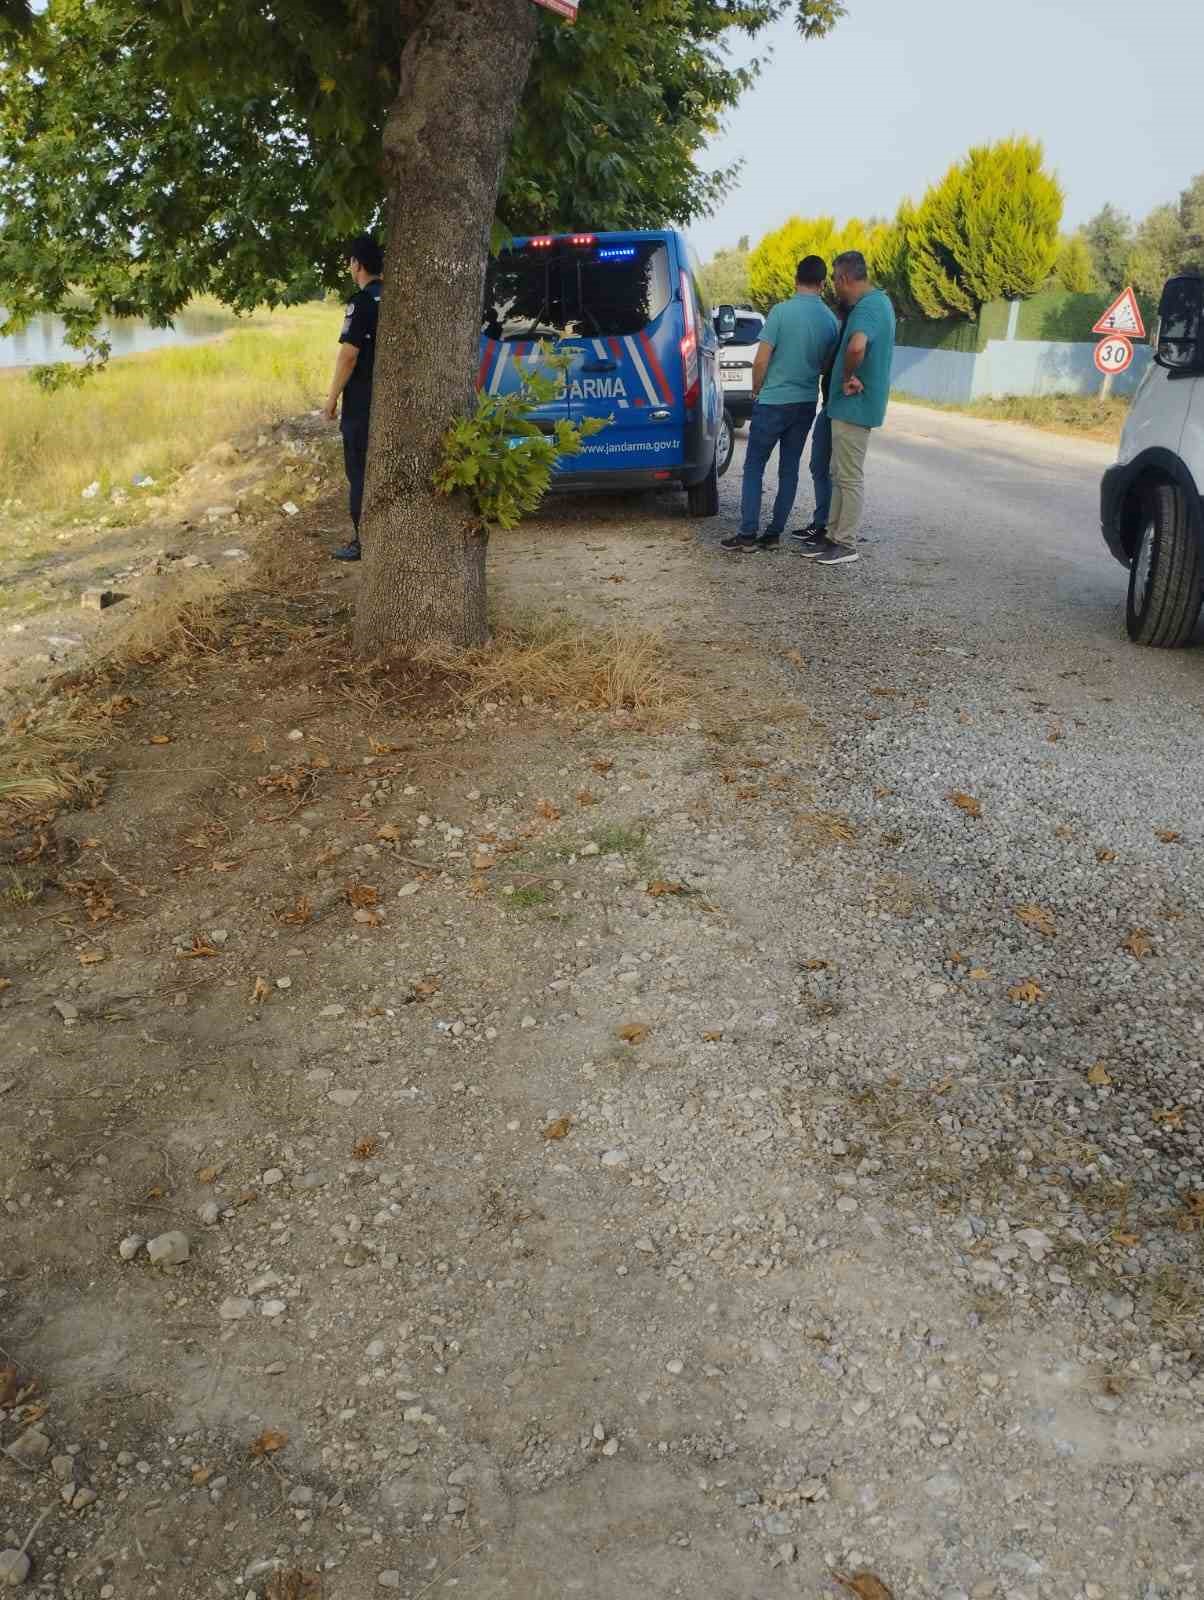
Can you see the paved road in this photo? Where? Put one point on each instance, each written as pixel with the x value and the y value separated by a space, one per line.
pixel 991 531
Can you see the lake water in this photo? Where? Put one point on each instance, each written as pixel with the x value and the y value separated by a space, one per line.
pixel 44 339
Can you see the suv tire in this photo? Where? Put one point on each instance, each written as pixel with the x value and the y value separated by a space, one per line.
pixel 726 447
pixel 1166 582
pixel 703 498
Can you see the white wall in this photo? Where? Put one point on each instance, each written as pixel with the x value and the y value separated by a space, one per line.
pixel 1005 367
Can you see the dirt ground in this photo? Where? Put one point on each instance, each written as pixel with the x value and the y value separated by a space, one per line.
pixel 573 1120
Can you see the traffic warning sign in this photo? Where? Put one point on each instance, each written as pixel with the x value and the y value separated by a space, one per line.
pixel 1123 316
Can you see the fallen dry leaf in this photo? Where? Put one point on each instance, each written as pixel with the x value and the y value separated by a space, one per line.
pixel 601 765
pixel 944 1086
pixel 246 1197
pixel 260 992
pixel 159 738
pixel 816 964
pixel 1126 1240
pixel 92 958
pixel 360 895
pixel 269 1441
pixel 293 1583
pixel 661 886
pixel 482 863
pixel 1104 854
pixel 198 951
pixel 426 988
pixel 1172 1117
pixel 795 658
pixel 1168 835
pixel 558 1129
pixel 633 1032
pixel 369 918
pixel 6 983
pixel 616 577
pixel 586 797
pixel 301 913
pixel 546 810
pixel 365 1147
pixel 1138 944
pixel 966 803
pixel 1027 993
pixel 201 1475
pixel 1037 918
pixel 712 1036
pixel 866 1585
pixel 882 793
pixel 390 833
pixel 208 1174
pixel 1099 1076
pixel 979 974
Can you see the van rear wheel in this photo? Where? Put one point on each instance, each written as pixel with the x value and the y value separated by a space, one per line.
pixel 1166 582
pixel 703 498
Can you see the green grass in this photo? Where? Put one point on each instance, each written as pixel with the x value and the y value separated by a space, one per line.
pixel 157 413
pixel 1083 416
pixel 616 840
pixel 530 898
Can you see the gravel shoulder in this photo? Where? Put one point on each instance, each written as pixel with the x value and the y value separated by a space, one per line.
pixel 714 1156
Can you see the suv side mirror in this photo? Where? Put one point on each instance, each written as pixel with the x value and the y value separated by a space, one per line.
pixel 725 321
pixel 1180 345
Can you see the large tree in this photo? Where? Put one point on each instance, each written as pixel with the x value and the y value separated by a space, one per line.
pixel 152 149
pixel 1109 236
pixel 987 231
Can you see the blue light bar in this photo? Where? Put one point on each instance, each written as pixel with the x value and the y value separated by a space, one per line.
pixel 617 252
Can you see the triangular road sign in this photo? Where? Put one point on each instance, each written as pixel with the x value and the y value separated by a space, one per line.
pixel 1122 316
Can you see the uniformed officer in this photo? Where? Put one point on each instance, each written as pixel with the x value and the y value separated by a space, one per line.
pixel 353 373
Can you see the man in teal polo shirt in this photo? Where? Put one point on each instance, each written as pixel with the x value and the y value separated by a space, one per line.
pixel 794 348
pixel 860 391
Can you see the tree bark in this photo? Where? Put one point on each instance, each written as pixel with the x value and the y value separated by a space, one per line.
pixel 463 71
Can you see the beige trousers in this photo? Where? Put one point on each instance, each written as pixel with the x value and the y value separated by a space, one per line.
pixel 850 441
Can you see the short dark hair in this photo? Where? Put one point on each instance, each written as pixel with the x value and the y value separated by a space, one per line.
pixel 364 249
pixel 812 270
pixel 851 264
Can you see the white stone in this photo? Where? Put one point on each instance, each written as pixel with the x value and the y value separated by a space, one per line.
pixel 168 1249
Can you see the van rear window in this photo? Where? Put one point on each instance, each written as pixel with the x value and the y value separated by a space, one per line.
pixel 601 293
pixel 619 294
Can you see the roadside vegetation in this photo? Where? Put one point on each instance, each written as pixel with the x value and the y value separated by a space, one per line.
pixel 154 414
pixel 1083 416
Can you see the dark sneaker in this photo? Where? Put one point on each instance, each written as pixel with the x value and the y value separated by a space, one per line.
pixel 737 544
pixel 348 552
pixel 769 541
pixel 835 555
pixel 809 534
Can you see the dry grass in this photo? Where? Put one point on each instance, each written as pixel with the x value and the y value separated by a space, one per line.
pixel 157 413
pixel 183 620
pixel 38 767
pixel 824 827
pixel 566 663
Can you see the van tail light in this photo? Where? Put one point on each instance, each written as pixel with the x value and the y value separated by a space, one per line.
pixel 689 345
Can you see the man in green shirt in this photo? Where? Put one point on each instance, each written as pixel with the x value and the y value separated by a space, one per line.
pixel 860 391
pixel 794 348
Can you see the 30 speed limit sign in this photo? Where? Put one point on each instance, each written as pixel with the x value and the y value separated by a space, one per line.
pixel 1113 355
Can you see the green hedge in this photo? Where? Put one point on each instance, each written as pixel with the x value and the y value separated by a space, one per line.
pixel 1055 314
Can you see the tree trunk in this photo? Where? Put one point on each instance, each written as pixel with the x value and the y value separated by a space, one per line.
pixel 463 71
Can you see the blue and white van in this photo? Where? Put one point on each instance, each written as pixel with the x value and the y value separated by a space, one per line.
pixel 645 353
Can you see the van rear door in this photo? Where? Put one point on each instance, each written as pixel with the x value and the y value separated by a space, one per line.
pixel 626 328
pixel 524 305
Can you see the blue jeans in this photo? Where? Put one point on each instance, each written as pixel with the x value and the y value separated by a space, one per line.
pixel 821 468
pixel 786 428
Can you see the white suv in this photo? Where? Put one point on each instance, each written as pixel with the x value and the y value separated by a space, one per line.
pixel 737 350
pixel 1151 503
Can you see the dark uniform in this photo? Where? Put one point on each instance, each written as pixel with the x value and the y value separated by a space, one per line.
pixel 359 329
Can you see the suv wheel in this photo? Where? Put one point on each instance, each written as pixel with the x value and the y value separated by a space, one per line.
pixel 726 446
pixel 703 498
pixel 1165 579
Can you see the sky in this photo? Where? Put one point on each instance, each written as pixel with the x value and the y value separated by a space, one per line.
pixel 850 125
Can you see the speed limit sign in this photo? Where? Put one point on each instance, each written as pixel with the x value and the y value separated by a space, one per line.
pixel 1113 355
